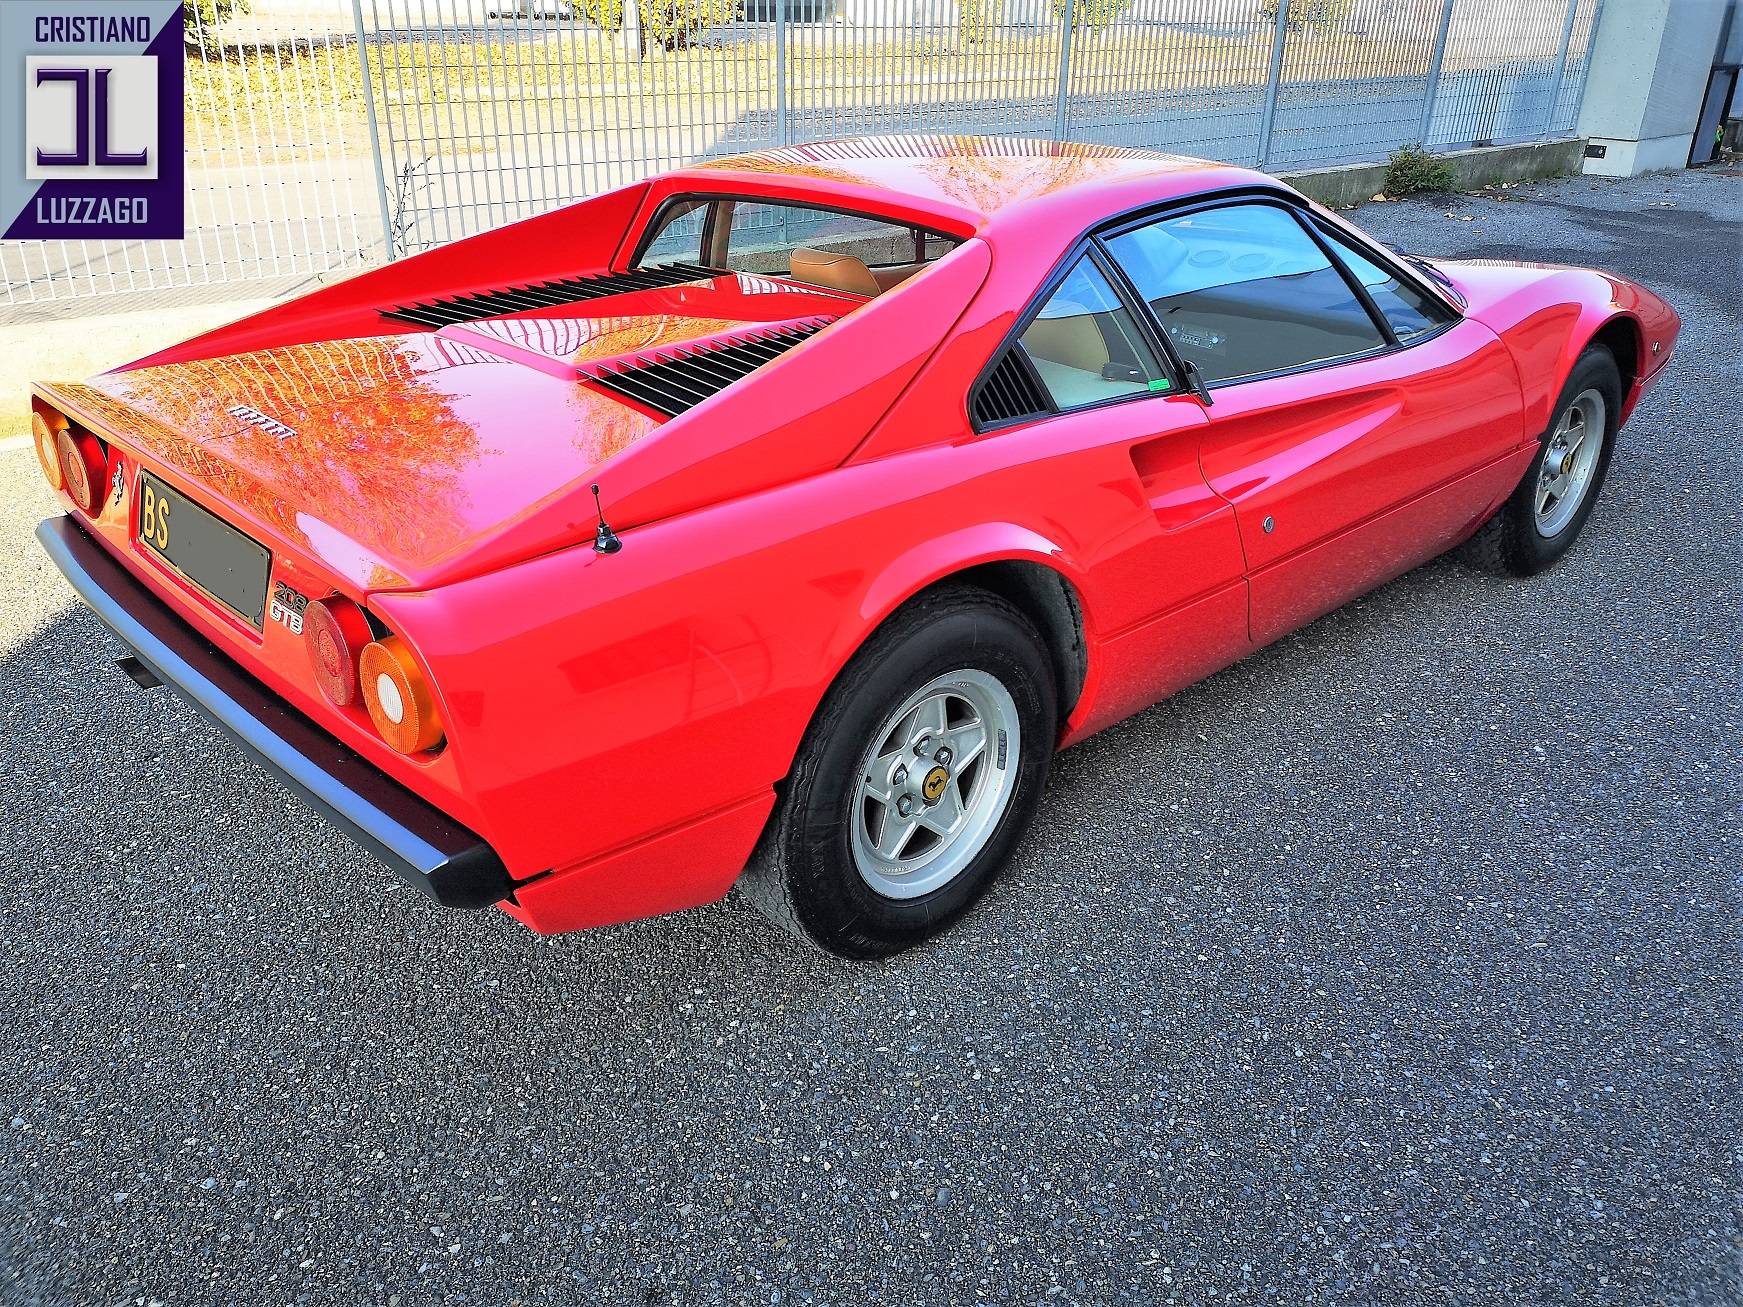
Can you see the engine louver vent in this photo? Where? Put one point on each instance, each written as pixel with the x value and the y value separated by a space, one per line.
pixel 546 294
pixel 1009 391
pixel 679 378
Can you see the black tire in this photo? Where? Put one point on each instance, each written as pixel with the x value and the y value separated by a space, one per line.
pixel 1510 543
pixel 803 876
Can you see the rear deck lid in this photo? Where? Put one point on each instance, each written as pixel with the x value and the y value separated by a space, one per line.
pixel 404 461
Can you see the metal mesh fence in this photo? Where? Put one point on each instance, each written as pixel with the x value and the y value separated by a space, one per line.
pixel 279 177
pixel 376 128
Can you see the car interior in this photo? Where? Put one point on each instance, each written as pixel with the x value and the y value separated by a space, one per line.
pixel 1085 345
pixel 854 253
pixel 1244 291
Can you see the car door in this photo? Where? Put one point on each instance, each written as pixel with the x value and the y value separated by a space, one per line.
pixel 1121 438
pixel 1356 423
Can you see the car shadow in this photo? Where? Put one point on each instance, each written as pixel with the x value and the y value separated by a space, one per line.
pixel 133 817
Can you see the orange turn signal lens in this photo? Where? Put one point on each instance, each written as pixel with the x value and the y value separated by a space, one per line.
pixel 398 697
pixel 85 466
pixel 335 632
pixel 44 427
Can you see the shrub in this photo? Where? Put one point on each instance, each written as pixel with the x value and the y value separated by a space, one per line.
pixel 669 24
pixel 1412 169
pixel 200 19
pixel 604 14
pixel 1309 13
pixel 975 19
pixel 1090 15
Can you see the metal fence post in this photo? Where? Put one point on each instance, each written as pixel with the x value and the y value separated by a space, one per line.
pixel 1268 115
pixel 374 131
pixel 1064 70
pixel 784 128
pixel 635 43
pixel 1430 91
pixel 1567 36
pixel 1586 63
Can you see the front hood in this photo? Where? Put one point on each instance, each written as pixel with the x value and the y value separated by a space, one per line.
pixel 389 460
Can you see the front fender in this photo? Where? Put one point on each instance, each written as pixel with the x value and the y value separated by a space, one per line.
pixel 1548 316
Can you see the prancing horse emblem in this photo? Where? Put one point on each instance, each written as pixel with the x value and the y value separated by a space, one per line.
pixel 933 786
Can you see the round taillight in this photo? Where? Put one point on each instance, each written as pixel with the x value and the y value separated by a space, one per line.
pixel 335 632
pixel 398 697
pixel 43 429
pixel 85 467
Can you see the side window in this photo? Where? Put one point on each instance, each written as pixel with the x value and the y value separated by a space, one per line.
pixel 1406 309
pixel 679 239
pixel 1243 290
pixel 1085 345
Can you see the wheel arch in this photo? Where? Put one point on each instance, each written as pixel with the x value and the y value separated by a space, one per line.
pixel 1622 336
pixel 1048 599
pixel 1020 566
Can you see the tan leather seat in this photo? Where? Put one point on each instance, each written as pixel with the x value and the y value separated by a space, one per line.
pixel 834 272
pixel 1068 336
pixel 888 277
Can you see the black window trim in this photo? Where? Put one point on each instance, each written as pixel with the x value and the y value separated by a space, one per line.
pixel 1308 221
pixel 1298 208
pixel 1086 246
pixel 1325 235
pixel 1304 212
pixel 714 199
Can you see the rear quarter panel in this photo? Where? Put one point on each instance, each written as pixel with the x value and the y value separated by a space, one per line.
pixel 603 701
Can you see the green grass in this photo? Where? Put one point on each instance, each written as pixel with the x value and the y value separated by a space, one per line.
pixel 467 95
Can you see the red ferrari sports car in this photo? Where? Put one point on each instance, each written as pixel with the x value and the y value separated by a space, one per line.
pixel 782 515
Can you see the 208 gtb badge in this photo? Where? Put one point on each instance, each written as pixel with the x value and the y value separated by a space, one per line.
pixel 255 418
pixel 288 607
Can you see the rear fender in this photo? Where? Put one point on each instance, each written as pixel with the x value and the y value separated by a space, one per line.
pixel 600 700
pixel 938 559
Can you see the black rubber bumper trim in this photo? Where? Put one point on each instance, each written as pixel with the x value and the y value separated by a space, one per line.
pixel 422 844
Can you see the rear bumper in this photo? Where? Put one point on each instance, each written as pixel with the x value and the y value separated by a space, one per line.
pixel 423 845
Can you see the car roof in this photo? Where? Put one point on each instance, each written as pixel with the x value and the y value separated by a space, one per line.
pixel 969 183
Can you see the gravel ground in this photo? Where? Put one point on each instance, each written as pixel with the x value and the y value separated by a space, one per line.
pixel 1396 965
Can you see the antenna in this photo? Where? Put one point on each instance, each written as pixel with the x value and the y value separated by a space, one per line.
pixel 605 540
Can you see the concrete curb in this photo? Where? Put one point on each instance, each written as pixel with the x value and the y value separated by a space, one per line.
pixel 1355 182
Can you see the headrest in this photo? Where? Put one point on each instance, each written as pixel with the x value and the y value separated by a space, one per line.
pixel 1068 335
pixel 834 272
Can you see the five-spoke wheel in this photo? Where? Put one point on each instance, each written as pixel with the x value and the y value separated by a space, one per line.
pixel 1569 463
pixel 915 780
pixel 1539 522
pixel 934 780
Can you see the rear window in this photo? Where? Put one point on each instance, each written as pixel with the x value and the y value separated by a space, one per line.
pixel 832 248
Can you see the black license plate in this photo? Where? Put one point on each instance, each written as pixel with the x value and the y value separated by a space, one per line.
pixel 210 553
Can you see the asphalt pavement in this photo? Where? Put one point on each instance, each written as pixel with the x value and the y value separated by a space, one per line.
pixel 1396 965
